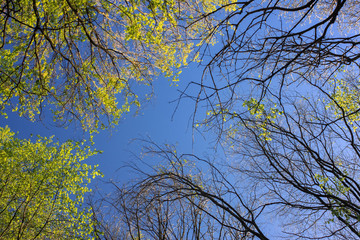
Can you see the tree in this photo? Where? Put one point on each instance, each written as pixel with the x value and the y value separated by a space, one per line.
pixel 174 201
pixel 42 187
pixel 304 153
pixel 293 131
pixel 281 93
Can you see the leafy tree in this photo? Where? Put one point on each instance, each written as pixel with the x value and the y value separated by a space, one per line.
pixel 42 187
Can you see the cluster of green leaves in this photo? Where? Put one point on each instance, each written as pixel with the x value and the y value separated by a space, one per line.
pixel 263 117
pixel 42 187
pixel 345 101
pixel 259 118
pixel 335 187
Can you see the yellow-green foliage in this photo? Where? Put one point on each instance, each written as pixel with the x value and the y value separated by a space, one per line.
pixel 335 187
pixel 346 101
pixel 259 119
pixel 262 117
pixel 42 185
pixel 213 5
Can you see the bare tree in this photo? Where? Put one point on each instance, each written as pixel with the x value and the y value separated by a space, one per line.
pixel 304 153
pixel 178 201
pixel 305 172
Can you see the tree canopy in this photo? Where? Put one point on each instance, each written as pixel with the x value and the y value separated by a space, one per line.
pixel 42 187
